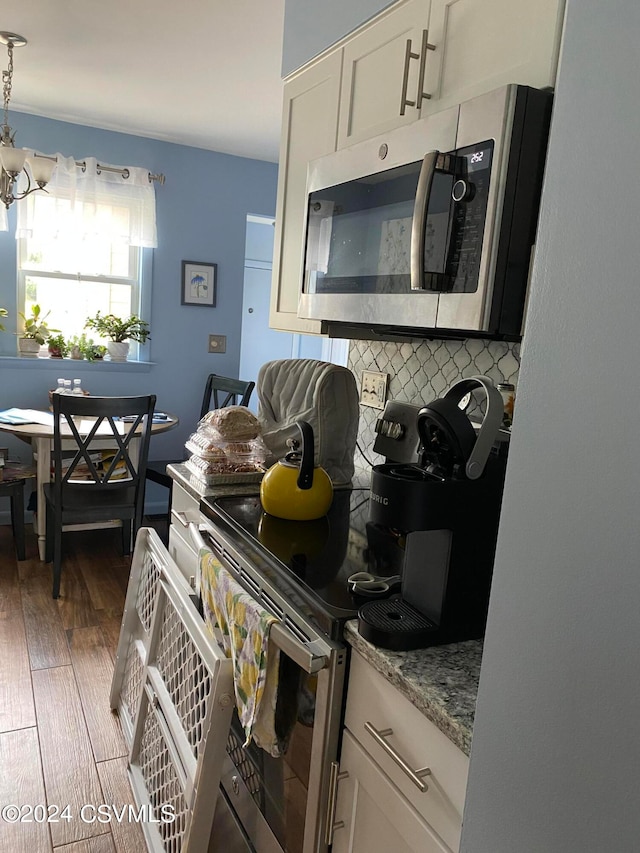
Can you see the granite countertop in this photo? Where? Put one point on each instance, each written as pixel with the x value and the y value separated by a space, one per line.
pixel 441 681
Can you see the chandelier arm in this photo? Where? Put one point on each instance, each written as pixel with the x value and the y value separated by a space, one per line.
pixel 9 166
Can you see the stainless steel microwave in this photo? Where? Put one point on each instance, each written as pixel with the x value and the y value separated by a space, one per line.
pixel 428 231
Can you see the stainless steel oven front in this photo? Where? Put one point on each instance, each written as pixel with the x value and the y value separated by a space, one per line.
pixel 282 804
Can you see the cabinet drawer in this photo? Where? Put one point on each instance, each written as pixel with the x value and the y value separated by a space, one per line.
pixel 182 501
pixel 184 509
pixel 374 704
pixel 184 555
pixel 375 817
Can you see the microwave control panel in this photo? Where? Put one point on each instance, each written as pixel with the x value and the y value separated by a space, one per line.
pixel 459 231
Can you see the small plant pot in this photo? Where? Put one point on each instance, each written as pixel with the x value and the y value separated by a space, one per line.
pixel 28 347
pixel 76 354
pixel 54 353
pixel 118 350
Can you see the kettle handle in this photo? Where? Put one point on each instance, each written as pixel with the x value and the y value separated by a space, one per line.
pixel 305 477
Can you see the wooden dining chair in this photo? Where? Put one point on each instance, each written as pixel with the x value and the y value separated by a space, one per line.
pixel 219 392
pixel 13 476
pixel 14 490
pixel 89 485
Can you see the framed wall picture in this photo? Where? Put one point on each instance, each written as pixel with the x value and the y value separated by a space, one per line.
pixel 198 284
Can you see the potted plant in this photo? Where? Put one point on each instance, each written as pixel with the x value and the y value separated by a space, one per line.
pixel 57 345
pixel 118 332
pixel 84 347
pixel 35 332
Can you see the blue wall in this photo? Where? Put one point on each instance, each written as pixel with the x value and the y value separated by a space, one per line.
pixel 201 211
pixel 311 27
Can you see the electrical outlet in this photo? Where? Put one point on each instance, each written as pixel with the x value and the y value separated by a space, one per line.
pixel 373 390
pixel 217 343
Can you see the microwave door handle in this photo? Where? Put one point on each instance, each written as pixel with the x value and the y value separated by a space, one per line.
pixel 423 191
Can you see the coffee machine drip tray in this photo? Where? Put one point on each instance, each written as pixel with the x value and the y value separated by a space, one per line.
pixel 392 623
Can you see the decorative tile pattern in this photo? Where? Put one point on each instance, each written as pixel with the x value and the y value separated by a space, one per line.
pixel 422 370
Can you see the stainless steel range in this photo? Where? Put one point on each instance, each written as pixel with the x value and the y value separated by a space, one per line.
pixel 298 571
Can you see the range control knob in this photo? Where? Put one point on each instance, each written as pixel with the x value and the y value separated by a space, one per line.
pixel 462 191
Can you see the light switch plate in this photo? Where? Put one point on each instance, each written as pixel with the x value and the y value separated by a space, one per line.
pixel 373 391
pixel 217 343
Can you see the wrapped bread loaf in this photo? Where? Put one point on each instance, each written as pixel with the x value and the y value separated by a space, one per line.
pixel 226 442
pixel 233 423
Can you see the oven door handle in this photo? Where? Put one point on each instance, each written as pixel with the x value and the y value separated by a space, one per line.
pixel 308 655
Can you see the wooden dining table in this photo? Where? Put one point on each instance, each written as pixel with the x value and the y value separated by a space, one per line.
pixel 40 436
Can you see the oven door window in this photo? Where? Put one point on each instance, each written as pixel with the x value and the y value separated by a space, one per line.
pixel 279 786
pixel 359 234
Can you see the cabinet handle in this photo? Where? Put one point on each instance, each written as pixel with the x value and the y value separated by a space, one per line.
pixel 422 56
pixel 408 56
pixel 414 775
pixel 331 824
pixel 422 95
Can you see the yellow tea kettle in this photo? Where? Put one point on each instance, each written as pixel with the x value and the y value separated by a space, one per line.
pixel 293 488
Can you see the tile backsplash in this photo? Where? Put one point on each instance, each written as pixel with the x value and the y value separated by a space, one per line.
pixel 422 370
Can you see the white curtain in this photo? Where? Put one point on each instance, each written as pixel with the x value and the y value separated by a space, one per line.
pixel 82 203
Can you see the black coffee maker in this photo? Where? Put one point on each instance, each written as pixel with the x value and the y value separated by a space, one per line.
pixel 436 503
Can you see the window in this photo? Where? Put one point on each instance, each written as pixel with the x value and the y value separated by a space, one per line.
pixel 75 278
pixel 83 245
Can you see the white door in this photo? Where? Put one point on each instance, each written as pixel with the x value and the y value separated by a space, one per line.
pixel 258 342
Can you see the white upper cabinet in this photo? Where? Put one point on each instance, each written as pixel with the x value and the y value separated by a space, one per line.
pixel 309 127
pixel 484 44
pixel 380 71
pixel 427 55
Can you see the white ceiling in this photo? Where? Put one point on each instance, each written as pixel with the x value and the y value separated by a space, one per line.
pixel 204 73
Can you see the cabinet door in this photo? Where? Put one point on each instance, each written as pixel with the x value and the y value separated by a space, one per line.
pixel 375 816
pixel 309 127
pixel 374 72
pixel 484 44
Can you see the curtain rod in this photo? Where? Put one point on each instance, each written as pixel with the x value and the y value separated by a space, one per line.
pixel 124 172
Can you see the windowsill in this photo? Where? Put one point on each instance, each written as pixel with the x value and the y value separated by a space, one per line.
pixel 55 364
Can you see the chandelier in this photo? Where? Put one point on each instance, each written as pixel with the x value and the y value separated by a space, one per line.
pixel 15 161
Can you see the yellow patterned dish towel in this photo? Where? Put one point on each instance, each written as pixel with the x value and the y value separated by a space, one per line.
pixel 243 628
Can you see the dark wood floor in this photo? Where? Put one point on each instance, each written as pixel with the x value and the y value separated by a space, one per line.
pixel 59 742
